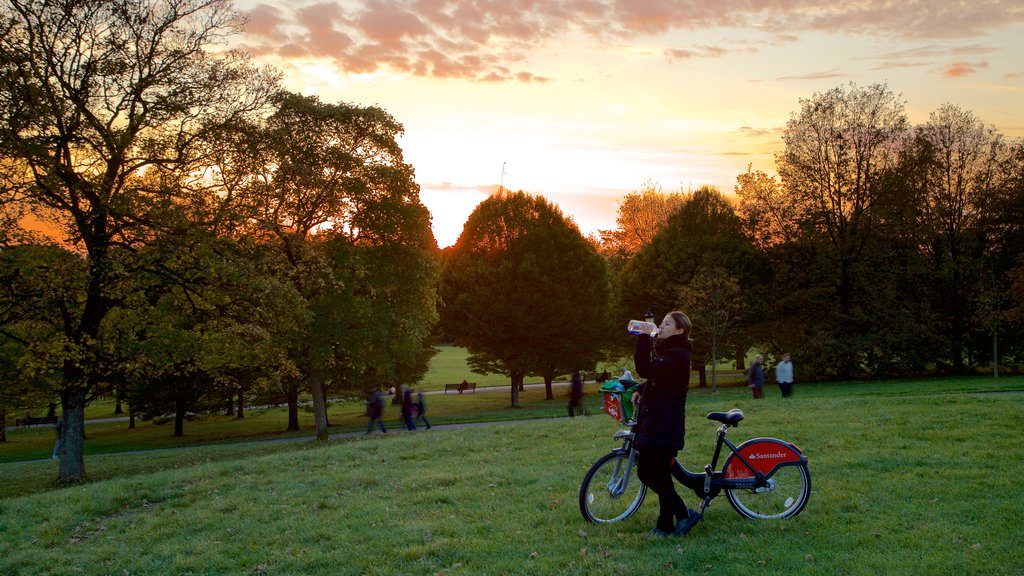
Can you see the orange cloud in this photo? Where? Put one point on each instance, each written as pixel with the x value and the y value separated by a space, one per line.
pixel 483 40
pixel 961 69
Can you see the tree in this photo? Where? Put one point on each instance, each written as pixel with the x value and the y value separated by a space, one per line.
pixel 704 233
pixel 524 292
pixel 39 284
pixel 100 100
pixel 960 160
pixel 841 150
pixel 326 188
pixel 715 305
pixel 641 214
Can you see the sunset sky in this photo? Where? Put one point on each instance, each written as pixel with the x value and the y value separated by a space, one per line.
pixel 583 101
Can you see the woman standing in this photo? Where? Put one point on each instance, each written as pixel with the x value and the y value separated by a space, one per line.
pixel 661 425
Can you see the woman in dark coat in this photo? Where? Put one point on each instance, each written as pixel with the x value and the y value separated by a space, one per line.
pixel 661 421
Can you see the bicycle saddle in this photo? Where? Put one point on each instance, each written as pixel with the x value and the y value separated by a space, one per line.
pixel 732 417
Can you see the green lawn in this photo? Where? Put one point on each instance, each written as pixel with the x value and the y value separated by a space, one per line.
pixel 909 478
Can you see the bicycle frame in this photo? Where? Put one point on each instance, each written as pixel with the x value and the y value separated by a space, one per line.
pixel 749 466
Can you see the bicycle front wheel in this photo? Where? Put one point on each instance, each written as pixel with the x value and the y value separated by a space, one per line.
pixel 610 491
pixel 786 494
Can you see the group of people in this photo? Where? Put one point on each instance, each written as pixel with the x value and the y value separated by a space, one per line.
pixel 783 376
pixel 412 411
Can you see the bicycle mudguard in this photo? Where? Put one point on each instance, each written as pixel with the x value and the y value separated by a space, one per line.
pixel 764 455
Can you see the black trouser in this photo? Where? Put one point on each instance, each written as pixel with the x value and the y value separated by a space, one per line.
pixel 654 468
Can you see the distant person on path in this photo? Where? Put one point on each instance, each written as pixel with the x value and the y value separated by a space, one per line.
pixel 755 377
pixel 421 409
pixel 626 375
pixel 60 432
pixel 784 376
pixel 407 408
pixel 375 410
pixel 575 392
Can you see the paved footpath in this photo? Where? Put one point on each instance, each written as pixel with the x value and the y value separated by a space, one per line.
pixel 396 427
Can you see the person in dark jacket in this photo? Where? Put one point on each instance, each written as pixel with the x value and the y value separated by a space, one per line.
pixel 375 410
pixel 755 377
pixel 575 392
pixel 408 408
pixel 661 421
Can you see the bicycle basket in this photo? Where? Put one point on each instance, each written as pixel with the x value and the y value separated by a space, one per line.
pixel 617 402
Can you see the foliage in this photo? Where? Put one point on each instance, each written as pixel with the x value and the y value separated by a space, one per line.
pixel 524 291
pixel 106 107
pixel 641 214
pixel 325 185
pixel 704 233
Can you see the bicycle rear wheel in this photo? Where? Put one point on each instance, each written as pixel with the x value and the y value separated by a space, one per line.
pixel 610 492
pixel 788 490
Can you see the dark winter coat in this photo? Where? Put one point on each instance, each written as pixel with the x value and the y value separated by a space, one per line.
pixel 661 422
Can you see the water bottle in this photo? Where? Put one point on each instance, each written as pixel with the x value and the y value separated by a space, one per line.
pixel 640 327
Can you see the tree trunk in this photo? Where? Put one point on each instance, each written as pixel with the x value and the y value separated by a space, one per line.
pixel 517 382
pixel 230 410
pixel 3 426
pixel 548 392
pixel 72 441
pixel 316 388
pixel 714 370
pixel 179 419
pixel 293 409
pixel 241 405
pixel 131 419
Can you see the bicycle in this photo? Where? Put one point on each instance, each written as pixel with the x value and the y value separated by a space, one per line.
pixel 763 478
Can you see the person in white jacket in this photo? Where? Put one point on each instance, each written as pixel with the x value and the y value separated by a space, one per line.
pixel 784 376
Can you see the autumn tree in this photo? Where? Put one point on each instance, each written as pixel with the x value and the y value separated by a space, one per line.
pixel 524 292
pixel 705 232
pixel 96 95
pixel 641 214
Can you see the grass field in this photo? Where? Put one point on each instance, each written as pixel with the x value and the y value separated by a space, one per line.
pixel 909 478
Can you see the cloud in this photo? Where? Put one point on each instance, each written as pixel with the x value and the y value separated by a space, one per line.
pixel 961 69
pixel 492 40
pixel 815 76
pixel 672 55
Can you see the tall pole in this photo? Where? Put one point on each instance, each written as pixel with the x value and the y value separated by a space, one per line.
pixel 501 186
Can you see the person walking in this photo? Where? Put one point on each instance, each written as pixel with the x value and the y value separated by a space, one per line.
pixel 755 377
pixel 59 428
pixel 784 376
pixel 407 408
pixel 661 421
pixel 375 410
pixel 421 409
pixel 575 392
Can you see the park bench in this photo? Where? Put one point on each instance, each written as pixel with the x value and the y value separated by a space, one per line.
pixel 32 420
pixel 461 387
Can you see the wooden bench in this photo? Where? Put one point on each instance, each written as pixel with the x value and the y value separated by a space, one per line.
pixel 32 420
pixel 461 387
